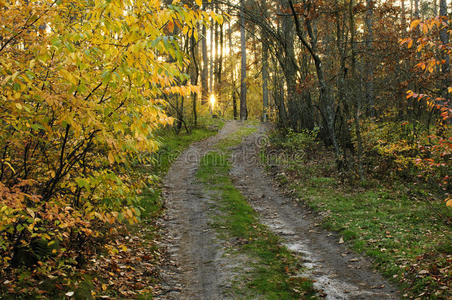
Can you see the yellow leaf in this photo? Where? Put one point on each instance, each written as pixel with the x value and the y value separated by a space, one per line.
pixel 220 19
pixel 111 158
pixel 449 203
pixel 68 76
pixel 31 212
pixel 9 166
pixel 199 2
pixel 414 24
pixel 410 43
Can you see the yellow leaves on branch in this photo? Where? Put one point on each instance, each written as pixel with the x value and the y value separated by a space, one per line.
pixel 425 30
pixel 81 87
pixel 183 90
pixel 428 25
pixel 414 24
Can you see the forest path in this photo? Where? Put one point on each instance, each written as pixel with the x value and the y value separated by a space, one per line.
pixel 199 270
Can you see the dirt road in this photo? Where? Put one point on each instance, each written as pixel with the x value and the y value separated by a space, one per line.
pixel 198 268
pixel 337 272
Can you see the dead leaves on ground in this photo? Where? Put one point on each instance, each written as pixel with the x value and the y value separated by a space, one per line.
pixel 435 268
pixel 129 268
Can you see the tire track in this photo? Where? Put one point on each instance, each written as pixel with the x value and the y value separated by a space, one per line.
pixel 337 272
pixel 197 268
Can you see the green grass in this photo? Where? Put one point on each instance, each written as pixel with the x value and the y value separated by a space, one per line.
pixel 397 228
pixel 235 138
pixel 272 267
pixel 171 146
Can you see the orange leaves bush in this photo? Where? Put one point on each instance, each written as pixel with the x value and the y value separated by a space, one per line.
pixel 81 84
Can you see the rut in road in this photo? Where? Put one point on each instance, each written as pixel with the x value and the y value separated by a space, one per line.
pixel 337 272
pixel 200 270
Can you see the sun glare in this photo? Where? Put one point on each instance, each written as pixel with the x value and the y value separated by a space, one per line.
pixel 212 101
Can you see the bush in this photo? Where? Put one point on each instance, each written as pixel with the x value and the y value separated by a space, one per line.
pixel 390 149
pixel 296 142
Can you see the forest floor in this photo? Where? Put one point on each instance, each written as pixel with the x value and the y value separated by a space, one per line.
pixel 230 232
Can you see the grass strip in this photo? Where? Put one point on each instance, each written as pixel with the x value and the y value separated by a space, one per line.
pixel 172 145
pixel 272 272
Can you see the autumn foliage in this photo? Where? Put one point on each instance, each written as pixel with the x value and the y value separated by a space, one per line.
pixel 432 56
pixel 81 86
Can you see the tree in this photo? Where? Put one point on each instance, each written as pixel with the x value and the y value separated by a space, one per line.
pixel 370 98
pixel 194 74
pixel 80 101
pixel 243 107
pixel 325 90
pixel 265 81
pixel 205 63
pixel 444 37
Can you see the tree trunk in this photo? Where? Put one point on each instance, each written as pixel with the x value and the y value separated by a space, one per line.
pixel 243 107
pixel 324 88
pixel 194 75
pixel 355 91
pixel 233 93
pixel 205 67
pixel 403 16
pixel 212 58
pixel 216 57
pixel 411 10
pixel 290 67
pixel 180 114
pixel 278 96
pixel 416 9
pixel 264 81
pixel 220 64
pixel 444 36
pixel 370 97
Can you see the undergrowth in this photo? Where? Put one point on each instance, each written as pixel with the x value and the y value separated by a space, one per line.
pixel 397 224
pixel 124 265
